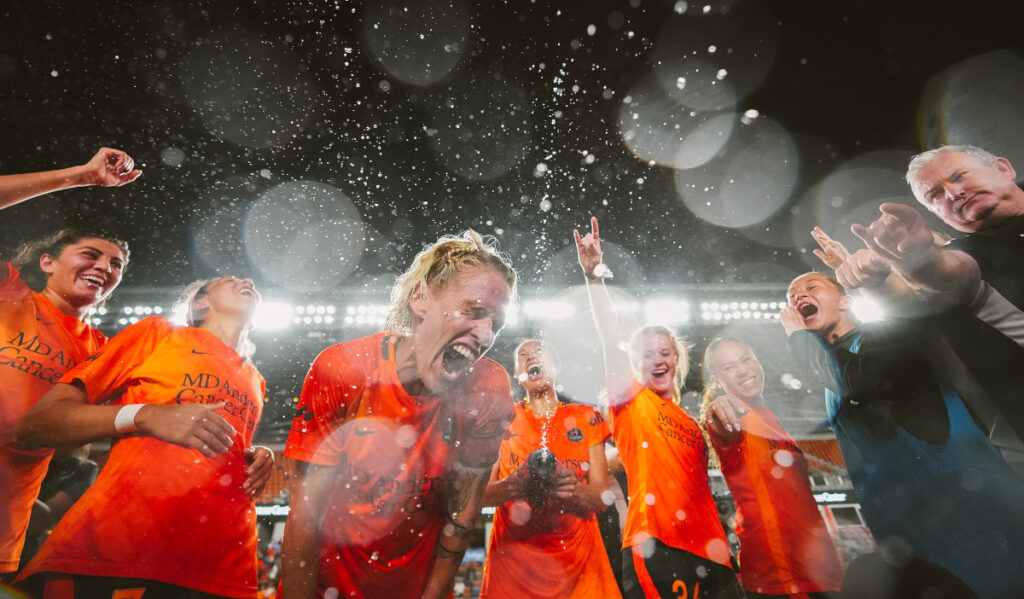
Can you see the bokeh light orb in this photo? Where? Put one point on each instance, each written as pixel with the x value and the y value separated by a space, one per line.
pixel 247 90
pixel 479 126
pixel 851 194
pixel 304 235
pixel 712 62
pixel 977 102
pixel 750 180
pixel 418 43
pixel 657 128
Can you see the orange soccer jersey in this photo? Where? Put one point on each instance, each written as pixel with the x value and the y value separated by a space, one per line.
pixel 38 344
pixel 394 455
pixel 549 551
pixel 157 510
pixel 666 460
pixel 785 548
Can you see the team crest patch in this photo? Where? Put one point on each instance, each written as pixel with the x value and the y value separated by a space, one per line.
pixel 448 431
pixel 575 435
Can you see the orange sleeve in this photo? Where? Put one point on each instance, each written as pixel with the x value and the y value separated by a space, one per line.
pixel 597 428
pixel 491 408
pixel 332 380
pixel 12 288
pixel 106 372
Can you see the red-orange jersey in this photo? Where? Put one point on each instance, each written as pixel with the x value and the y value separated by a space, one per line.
pixel 38 344
pixel 785 548
pixel 394 454
pixel 666 460
pixel 555 550
pixel 157 510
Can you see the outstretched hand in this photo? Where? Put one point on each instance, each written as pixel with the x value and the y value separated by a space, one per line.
pixel 111 168
pixel 832 252
pixel 588 247
pixel 257 473
pixel 194 426
pixel 900 236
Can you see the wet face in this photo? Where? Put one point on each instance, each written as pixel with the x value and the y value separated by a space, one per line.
pixel 86 272
pixel 536 368
pixel 819 302
pixel 228 296
pixel 737 371
pixel 658 363
pixel 967 194
pixel 457 326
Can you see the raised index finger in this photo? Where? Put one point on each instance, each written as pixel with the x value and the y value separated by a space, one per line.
pixel 593 227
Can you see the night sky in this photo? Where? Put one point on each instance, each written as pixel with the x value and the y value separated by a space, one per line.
pixel 317 146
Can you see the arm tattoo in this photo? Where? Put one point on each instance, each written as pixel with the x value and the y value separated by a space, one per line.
pixel 457 529
pixel 443 552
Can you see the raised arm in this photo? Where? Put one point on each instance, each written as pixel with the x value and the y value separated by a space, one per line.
pixel 902 237
pixel 303 531
pixel 618 372
pixel 108 168
pixel 63 417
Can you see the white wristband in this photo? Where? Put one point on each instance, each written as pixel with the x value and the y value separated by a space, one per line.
pixel 124 422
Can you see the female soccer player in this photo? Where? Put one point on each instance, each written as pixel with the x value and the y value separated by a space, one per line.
pixel 674 544
pixel 546 542
pixel 395 434
pixel 171 513
pixel 785 550
pixel 45 293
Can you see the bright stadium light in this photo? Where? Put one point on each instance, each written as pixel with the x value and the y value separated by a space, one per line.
pixel 666 311
pixel 273 316
pixel 548 309
pixel 867 309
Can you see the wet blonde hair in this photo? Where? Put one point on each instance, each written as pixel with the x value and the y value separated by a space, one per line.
pixel 438 265
pixel 681 346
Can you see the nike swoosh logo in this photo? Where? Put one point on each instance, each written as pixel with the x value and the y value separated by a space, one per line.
pixel 200 353
pixel 362 432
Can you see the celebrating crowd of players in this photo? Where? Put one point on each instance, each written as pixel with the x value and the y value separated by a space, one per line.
pixel 401 437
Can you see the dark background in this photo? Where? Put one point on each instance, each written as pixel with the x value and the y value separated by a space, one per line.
pixel 523 137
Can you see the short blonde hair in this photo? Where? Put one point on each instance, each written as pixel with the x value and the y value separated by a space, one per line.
pixel 681 345
pixel 438 265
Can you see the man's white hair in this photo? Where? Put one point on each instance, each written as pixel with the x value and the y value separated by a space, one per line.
pixel 986 158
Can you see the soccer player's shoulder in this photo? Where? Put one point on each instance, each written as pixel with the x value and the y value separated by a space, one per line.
pixel 489 376
pixel 350 356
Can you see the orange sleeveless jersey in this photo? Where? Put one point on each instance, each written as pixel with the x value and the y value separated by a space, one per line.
pixel 785 547
pixel 549 551
pixel 159 511
pixel 38 344
pixel 394 454
pixel 666 460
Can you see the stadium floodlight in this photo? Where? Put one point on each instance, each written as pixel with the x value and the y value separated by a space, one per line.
pixel 867 309
pixel 273 316
pixel 667 311
pixel 548 309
